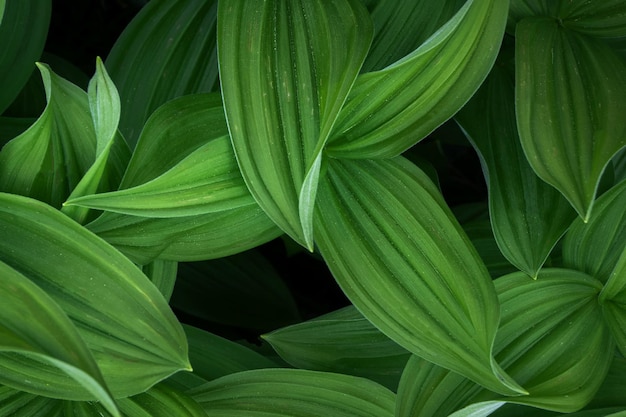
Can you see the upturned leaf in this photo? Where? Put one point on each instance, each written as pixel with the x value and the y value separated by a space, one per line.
pixel 286 68
pixel 390 110
pixel 399 255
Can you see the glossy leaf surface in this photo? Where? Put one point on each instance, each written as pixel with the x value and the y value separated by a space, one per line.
pixel 570 107
pixel 286 68
pixel 168 50
pixel 528 216
pixel 99 289
pixel 402 259
pixel 293 393
pixel 390 110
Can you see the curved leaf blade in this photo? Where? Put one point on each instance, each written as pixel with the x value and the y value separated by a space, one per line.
pixel 528 216
pixel 168 50
pixel 293 393
pixel 286 68
pixel 98 288
pixel 390 110
pixel 570 107
pixel 402 259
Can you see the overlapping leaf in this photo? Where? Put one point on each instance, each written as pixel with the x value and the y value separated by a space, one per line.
pixel 286 68
pixel 293 393
pixel 344 342
pixel 99 289
pixel 570 107
pixel 48 336
pixel 23 31
pixel 400 256
pixel 163 276
pixel 390 110
pixel 183 165
pixel 168 50
pixel 528 216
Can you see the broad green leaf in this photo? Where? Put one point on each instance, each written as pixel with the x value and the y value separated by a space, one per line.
pixel 242 290
pixel 212 356
pixel 191 238
pixel 104 107
pixel 163 276
pixel 33 325
pixel 168 50
pixel 48 160
pixel 344 342
pixel 183 165
pixel 293 393
pixel 569 102
pixel 399 255
pixel 390 110
pixel 479 409
pixel 160 401
pixel 402 26
pixel 528 216
pixel 99 289
pixel 23 31
pixel 613 297
pixel 286 68
pixel 481 235
pixel 552 339
pixel 15 403
pixel 611 393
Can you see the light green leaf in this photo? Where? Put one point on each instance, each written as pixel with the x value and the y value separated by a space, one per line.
pixel 344 342
pixel 23 30
pixel 390 110
pixel 33 325
pixel 168 50
pixel 570 107
pixel 479 409
pixel 163 275
pixel 286 68
pixel 183 165
pixel 528 216
pixel 48 160
pixel 293 393
pixel 402 259
pixel 99 289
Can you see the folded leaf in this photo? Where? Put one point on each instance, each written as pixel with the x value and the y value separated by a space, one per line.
pixel 286 68
pixel 293 393
pixel 99 289
pixel 402 259
pixel 390 110
pixel 33 325
pixel 23 31
pixel 570 107
pixel 168 50
pixel 344 342
pixel 528 216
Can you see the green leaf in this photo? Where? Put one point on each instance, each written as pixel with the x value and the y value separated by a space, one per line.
pixel 99 289
pixel 528 216
pixel 286 68
pixel 390 110
pixel 402 26
pixel 242 290
pixel 48 160
pixel 161 401
pixel 183 165
pixel 163 275
pixel 168 50
pixel 293 393
pixel 570 107
pixel 212 356
pixel 23 30
pixel 399 255
pixel 33 325
pixel 344 342
pixel 479 409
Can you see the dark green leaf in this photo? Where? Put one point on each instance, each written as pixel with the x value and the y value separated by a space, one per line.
pixel 293 393
pixel 168 50
pixel 570 107
pixel 528 216
pixel 23 31
pixel 99 289
pixel 400 256
pixel 390 110
pixel 286 69
pixel 344 342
